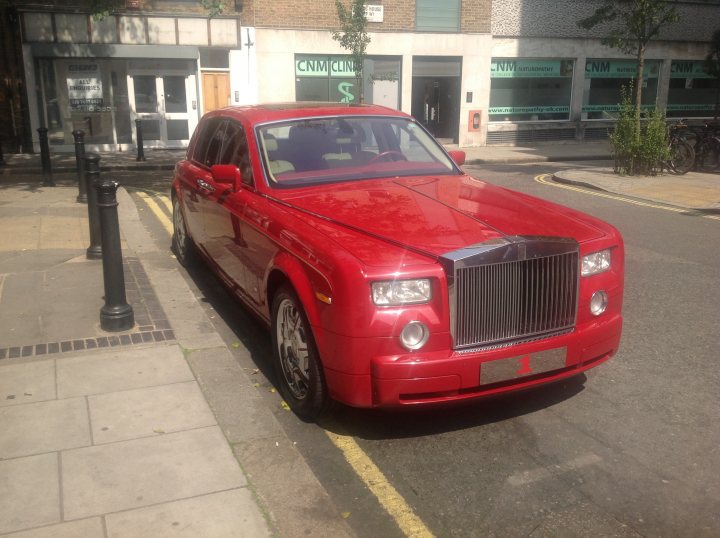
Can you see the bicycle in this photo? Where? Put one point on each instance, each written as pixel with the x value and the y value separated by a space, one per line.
pixel 682 154
pixel 707 149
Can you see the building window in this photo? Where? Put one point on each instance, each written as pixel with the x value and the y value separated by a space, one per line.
pixel 437 15
pixel 604 80
pixel 86 94
pixel 530 90
pixel 332 78
pixel 692 91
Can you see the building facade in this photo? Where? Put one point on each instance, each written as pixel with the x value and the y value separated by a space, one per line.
pixel 475 72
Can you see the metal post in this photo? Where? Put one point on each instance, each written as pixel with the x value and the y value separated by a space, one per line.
pixel 92 174
pixel 79 136
pixel 140 148
pixel 116 314
pixel 45 157
pixel 2 159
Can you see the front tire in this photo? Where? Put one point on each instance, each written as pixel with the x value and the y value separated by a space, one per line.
pixel 182 245
pixel 295 358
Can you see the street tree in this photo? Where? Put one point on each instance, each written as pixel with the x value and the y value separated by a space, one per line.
pixel 712 67
pixel 353 37
pixel 633 24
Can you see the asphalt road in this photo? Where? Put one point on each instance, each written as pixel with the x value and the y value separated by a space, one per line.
pixel 630 449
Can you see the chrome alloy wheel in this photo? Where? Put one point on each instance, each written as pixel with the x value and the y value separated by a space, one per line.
pixel 292 347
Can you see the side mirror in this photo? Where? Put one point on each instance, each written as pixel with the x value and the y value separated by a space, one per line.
pixel 225 173
pixel 456 155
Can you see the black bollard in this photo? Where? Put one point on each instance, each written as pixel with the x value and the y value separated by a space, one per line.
pixel 140 148
pixel 116 314
pixel 79 136
pixel 45 157
pixel 92 174
pixel 2 159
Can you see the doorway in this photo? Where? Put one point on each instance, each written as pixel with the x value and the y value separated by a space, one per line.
pixel 216 91
pixel 436 95
pixel 167 105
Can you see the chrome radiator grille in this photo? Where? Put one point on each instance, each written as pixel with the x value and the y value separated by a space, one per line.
pixel 512 301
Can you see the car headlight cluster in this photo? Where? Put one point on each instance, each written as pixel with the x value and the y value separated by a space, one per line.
pixel 595 263
pixel 401 292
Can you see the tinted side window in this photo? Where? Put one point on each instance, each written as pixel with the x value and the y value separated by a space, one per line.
pixel 242 160
pixel 209 142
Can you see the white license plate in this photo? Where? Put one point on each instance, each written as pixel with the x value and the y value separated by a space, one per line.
pixel 522 366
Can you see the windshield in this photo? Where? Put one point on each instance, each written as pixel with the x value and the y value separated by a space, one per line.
pixel 319 150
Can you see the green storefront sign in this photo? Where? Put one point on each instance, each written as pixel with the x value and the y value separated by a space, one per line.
pixel 516 68
pixel 688 69
pixel 619 69
pixel 528 110
pixel 684 108
pixel 609 108
pixel 324 66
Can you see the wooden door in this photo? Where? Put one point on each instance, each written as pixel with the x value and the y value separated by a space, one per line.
pixel 216 91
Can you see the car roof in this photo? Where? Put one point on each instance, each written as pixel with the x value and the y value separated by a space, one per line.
pixel 283 111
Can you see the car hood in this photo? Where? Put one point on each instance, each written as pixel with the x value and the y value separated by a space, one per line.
pixel 436 215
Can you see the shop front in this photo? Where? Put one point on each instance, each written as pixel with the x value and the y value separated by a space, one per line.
pixel 693 93
pixel 332 78
pixel 104 96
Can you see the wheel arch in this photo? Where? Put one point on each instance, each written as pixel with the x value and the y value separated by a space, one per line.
pixel 304 280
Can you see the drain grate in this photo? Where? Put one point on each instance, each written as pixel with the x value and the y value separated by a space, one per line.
pixel 152 324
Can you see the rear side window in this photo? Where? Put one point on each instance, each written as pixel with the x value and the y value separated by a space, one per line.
pixel 209 145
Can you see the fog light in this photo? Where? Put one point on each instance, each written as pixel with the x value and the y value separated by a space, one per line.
pixel 598 303
pixel 414 335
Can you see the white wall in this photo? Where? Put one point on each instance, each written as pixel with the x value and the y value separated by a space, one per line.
pixel 276 51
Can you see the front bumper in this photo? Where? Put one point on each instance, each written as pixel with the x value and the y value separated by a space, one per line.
pixel 444 376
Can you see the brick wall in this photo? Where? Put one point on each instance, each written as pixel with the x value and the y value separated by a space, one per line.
pixel 476 16
pixel 398 15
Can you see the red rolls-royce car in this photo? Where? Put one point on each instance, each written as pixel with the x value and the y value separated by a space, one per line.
pixel 388 276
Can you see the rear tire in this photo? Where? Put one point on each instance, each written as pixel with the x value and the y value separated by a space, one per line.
pixel 295 358
pixel 682 157
pixel 182 245
pixel 707 155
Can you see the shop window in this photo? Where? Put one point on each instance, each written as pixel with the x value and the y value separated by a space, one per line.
pixel 692 91
pixel 437 15
pixel 332 78
pixel 90 95
pixel 604 80
pixel 530 90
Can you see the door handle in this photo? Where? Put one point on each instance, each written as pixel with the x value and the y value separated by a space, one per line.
pixel 204 185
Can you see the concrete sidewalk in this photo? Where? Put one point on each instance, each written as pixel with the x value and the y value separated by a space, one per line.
pixel 136 433
pixel 693 191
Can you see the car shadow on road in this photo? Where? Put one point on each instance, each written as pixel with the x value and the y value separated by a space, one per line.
pixel 371 424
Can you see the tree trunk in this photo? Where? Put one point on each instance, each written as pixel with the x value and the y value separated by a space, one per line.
pixel 638 89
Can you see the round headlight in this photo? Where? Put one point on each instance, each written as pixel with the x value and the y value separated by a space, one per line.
pixel 414 335
pixel 598 303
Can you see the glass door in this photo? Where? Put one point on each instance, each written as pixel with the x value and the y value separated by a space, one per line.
pixel 166 104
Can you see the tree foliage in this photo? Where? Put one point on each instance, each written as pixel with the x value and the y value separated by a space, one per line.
pixel 633 24
pixel 353 37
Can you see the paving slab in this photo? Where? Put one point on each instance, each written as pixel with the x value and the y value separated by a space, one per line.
pixel 694 190
pixel 130 474
pixel 36 428
pixel 228 514
pixel 146 412
pixel 27 382
pixel 29 492
pixel 84 528
pixel 113 371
